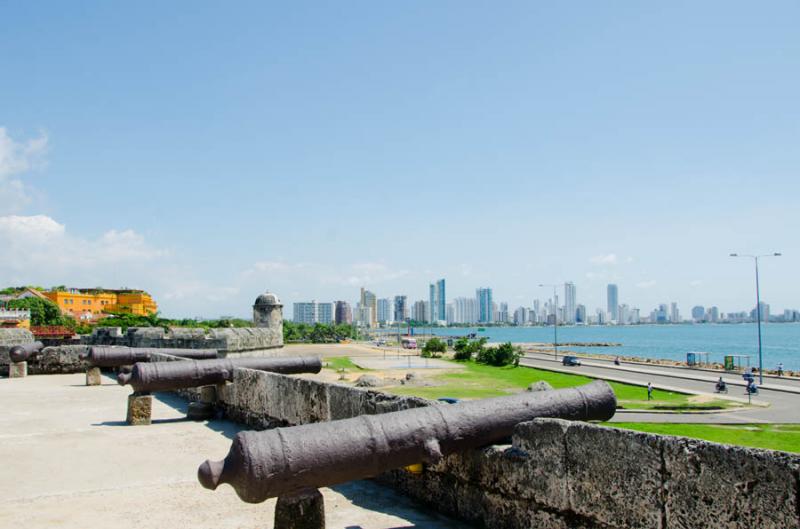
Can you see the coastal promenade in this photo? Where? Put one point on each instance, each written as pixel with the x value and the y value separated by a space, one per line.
pixel 781 395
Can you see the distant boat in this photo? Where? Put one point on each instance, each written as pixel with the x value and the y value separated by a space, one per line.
pixel 481 329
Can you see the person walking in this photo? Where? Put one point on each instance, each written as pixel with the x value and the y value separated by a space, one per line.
pixel 649 391
pixel 780 369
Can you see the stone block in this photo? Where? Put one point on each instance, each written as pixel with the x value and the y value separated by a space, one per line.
pixel 207 394
pixel 541 475
pixel 717 486
pixel 140 409
pixel 303 511
pixel 614 476
pixel 93 376
pixel 201 411
pixel 17 369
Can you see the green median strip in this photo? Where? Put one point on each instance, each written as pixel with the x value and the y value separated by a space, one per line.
pixel 785 437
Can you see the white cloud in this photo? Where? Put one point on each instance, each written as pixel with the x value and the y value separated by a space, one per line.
pixel 15 158
pixel 695 283
pixel 37 247
pixel 607 259
pixel 646 284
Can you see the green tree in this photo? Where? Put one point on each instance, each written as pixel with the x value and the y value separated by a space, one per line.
pixel 433 348
pixel 43 311
pixel 466 348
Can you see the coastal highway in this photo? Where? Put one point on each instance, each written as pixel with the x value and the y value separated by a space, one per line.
pixel 783 398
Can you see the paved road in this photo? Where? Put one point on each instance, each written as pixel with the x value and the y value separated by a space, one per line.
pixel 783 405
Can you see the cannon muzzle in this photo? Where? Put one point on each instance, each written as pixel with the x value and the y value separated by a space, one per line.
pixel 116 356
pixel 20 353
pixel 285 461
pixel 168 376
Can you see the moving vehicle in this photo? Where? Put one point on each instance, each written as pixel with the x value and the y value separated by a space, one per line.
pixel 570 361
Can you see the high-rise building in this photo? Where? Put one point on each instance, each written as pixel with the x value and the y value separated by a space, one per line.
pixel 764 312
pixel 698 313
pixel 502 314
pixel 401 312
pixel 712 314
pixel 465 310
pixel 368 308
pixel 419 312
pixel 385 310
pixel 580 314
pixel 624 314
pixel 451 313
pixel 438 301
pixel 313 312
pixel 674 313
pixel 485 305
pixel 612 297
pixel 570 302
pixel 521 316
pixel 344 313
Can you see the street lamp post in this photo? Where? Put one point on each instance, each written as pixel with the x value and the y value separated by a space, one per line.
pixel 555 319
pixel 758 309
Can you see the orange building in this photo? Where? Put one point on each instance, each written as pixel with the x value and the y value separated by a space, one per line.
pixel 92 304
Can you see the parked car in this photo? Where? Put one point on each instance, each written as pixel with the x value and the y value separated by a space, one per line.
pixel 449 400
pixel 571 361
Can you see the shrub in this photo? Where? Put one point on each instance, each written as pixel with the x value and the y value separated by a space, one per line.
pixel 433 348
pixel 502 355
pixel 465 349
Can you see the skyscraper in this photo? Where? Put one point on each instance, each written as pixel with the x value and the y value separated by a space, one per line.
pixel 368 308
pixel 613 302
pixel 438 301
pixel 465 310
pixel 385 310
pixel 401 308
pixel 674 313
pixel 343 312
pixel 483 297
pixel 313 312
pixel 570 302
pixel 419 311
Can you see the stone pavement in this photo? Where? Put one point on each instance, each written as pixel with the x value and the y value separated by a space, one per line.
pixel 69 460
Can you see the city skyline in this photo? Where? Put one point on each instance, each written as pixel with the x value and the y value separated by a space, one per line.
pixel 205 172
pixel 483 307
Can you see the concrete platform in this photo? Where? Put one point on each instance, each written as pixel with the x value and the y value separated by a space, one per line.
pixel 69 460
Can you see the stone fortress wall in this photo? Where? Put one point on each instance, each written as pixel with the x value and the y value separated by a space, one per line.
pixel 555 474
pixel 265 339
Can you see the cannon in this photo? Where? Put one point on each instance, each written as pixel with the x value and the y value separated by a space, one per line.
pixel 20 353
pixel 288 461
pixel 125 356
pixel 168 376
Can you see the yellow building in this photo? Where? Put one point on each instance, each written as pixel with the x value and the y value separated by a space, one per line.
pixel 94 304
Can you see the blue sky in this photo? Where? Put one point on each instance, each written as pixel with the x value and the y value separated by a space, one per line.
pixel 208 152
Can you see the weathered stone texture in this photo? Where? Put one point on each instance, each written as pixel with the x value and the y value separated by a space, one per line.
pixel 18 369
pixel 8 339
pixel 249 340
pixel 93 376
pixel 304 511
pixel 60 359
pixel 711 485
pixel 614 477
pixel 140 409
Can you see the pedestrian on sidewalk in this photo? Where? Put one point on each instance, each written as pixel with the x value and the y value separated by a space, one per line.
pixel 649 391
pixel 780 369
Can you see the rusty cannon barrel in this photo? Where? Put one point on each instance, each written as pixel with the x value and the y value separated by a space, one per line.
pixel 116 356
pixel 20 353
pixel 167 376
pixel 286 461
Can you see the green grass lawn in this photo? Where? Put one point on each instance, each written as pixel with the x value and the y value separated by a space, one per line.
pixel 785 437
pixel 341 362
pixel 480 381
